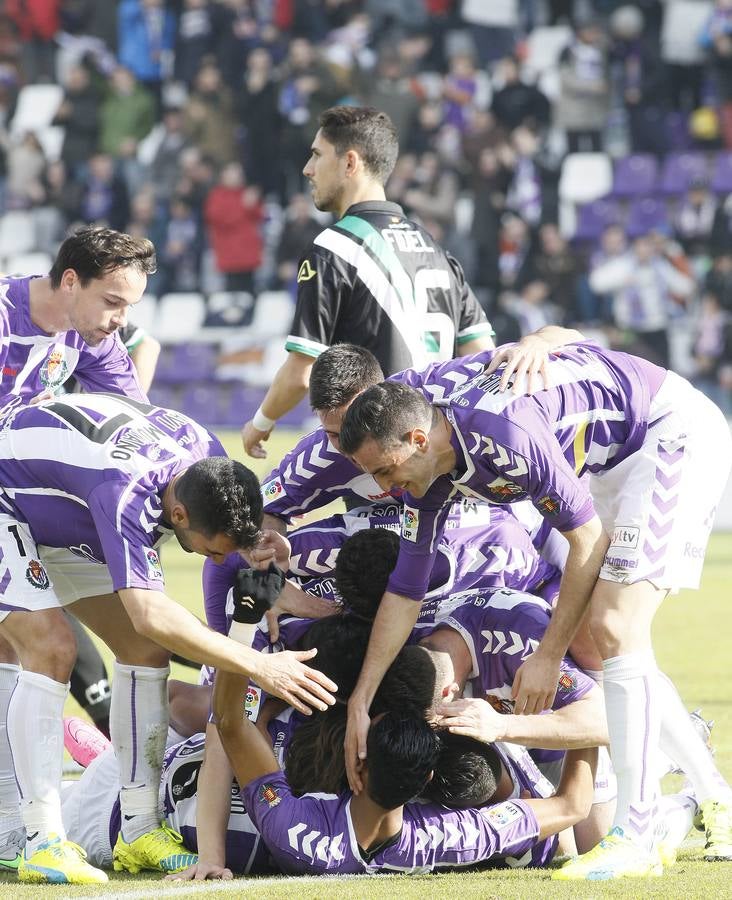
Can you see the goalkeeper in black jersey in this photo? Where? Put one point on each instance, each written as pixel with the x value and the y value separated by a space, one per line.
pixel 373 278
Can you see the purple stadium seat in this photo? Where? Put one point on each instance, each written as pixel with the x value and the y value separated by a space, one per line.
pixel 593 218
pixel 677 131
pixel 194 362
pixel 635 175
pixel 204 403
pixel 165 371
pixel 721 182
pixel 646 215
pixel 680 169
pixel 164 395
pixel 240 405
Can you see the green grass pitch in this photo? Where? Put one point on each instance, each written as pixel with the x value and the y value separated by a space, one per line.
pixel 693 633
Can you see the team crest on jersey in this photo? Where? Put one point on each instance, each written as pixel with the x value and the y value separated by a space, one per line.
pixel 36 575
pixel 410 524
pixel 54 370
pixel 268 794
pixel 272 490
pixel 503 491
pixel 305 272
pixel 548 504
pixel 503 814
pixel 154 566
pixel 567 682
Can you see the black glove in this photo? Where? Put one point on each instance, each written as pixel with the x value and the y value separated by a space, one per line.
pixel 255 592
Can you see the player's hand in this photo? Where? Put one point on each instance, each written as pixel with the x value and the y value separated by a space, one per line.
pixel 295 602
pixel 535 684
pixel 252 439
pixel 201 872
pixel 354 745
pixel 285 676
pixel 526 362
pixel 272 547
pixel 474 718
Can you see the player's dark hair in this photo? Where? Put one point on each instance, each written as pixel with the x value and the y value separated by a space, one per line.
pixel 466 774
pixel 402 752
pixel 340 373
pixel 363 566
pixel 222 496
pixel 341 641
pixel 408 686
pixel 387 413
pixel 94 251
pixel 368 131
pixel 314 758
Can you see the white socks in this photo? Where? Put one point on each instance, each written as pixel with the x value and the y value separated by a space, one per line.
pixel 10 819
pixel 36 737
pixel 139 726
pixel 631 687
pixel 683 744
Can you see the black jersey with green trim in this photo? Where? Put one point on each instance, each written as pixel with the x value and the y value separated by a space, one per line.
pixel 376 279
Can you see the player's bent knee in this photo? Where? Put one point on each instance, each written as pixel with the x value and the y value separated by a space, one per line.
pixel 44 641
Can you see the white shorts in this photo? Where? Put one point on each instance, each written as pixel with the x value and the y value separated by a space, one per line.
pixel 658 505
pixel 606 784
pixel 90 809
pixel 37 577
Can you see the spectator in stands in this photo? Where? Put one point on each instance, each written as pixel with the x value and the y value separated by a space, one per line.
pixel 234 215
pixel 209 116
pixel 716 39
pixel 594 307
pixel 532 186
pixel 531 306
pixel 433 191
pixel 709 350
pixel 643 284
pixel 164 169
pixel 307 88
pixel 127 115
pixel 515 249
pixel 195 39
pixel 493 27
pixel 719 279
pixel 556 265
pixel 146 35
pixel 261 122
pixel 79 115
pixel 584 89
pixel 390 89
pixel 104 198
pixel 642 81
pixel 26 165
pixel 180 254
pixel 694 218
pixel 459 91
pixel 300 230
pixel 57 208
pixel 37 22
pixel 490 180
pixel 516 102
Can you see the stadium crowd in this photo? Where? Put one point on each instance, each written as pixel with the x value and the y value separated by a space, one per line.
pixel 189 122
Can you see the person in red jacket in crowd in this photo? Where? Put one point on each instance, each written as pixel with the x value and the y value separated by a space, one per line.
pixel 37 22
pixel 234 214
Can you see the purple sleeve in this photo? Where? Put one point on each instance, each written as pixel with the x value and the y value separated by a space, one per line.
pixel 423 523
pixel 109 368
pixel 506 829
pixel 218 579
pixel 308 477
pixel 118 513
pixel 534 461
pixel 290 826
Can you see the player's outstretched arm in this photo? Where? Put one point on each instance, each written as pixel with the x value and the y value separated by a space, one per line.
pixel 573 800
pixel 249 751
pixel 288 388
pixel 527 360
pixel 535 684
pixel 284 675
pixel 392 625
pixel 213 807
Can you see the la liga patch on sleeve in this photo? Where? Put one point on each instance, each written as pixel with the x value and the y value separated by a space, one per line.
pixel 154 566
pixel 501 815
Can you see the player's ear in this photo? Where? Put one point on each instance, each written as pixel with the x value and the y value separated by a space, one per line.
pixel 179 515
pixel 420 439
pixel 353 162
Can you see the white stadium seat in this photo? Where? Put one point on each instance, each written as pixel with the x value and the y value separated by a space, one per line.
pixel 144 313
pixel 585 177
pixel 17 233
pixel 28 264
pixel 37 105
pixel 273 312
pixel 544 47
pixel 179 318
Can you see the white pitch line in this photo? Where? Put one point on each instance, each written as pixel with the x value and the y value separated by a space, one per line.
pixel 236 886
